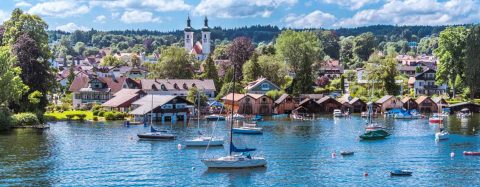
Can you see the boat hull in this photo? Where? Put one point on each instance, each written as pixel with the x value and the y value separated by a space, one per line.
pixel 156 136
pixel 215 118
pixel 235 164
pixel 471 153
pixel 247 131
pixel 196 143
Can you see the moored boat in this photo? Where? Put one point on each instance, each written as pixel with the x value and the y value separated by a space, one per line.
pixel 156 134
pixel 205 141
pixel 215 118
pixel 247 130
pixel 435 119
pixel 375 135
pixel 347 153
pixel 441 136
pixel 471 153
pixel 337 113
pixel 401 173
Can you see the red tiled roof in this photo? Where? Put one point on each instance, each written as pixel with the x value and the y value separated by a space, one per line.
pixel 82 80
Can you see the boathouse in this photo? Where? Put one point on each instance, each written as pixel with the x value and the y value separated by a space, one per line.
pixel 328 104
pixel 285 104
pixel 388 102
pixel 426 104
pixel 249 104
pixel 441 103
pixel 357 105
pixel 459 106
pixel 409 103
pixel 307 106
pixel 123 99
pixel 161 108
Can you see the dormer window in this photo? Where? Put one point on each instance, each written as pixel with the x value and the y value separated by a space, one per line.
pixel 265 86
pixel 175 86
pixel 154 87
pixel 193 85
pixel 163 87
pixel 185 86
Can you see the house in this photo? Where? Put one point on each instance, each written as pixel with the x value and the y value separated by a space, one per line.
pixel 441 103
pixel 89 89
pixel 426 104
pixel 425 84
pixel 331 69
pixel 410 71
pixel 328 104
pixel 200 49
pixel 345 104
pixel 178 87
pixel 307 106
pixel 357 105
pixel 123 99
pixel 388 102
pixel 409 103
pixel 285 104
pixel 249 103
pixel 261 86
pixel 161 107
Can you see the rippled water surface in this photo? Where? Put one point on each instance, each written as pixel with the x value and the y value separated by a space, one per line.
pixel 298 153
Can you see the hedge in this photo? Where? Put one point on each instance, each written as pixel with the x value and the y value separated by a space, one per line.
pixel 25 119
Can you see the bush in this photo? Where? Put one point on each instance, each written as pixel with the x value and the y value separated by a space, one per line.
pixel 70 116
pixel 5 119
pixel 95 118
pixel 49 117
pixel 81 117
pixel 25 119
pixel 109 116
pixel 114 115
pixel 95 112
pixel 101 113
pixel 120 115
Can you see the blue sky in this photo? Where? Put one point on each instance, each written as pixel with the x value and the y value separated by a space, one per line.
pixel 166 15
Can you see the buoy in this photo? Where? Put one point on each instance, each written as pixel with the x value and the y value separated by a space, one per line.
pixel 452 154
pixel 193 168
pixel 179 146
pixel 365 174
pixel 334 155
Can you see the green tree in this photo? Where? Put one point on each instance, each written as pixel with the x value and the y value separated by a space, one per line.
pixel 346 50
pixel 472 61
pixel 272 69
pixel 239 51
pixel 80 48
pixel 110 60
pixel 330 41
pixel 220 52
pixel 275 94
pixel 71 76
pixel 175 63
pixel 300 50
pixel 11 85
pixel 383 71
pixel 210 72
pixel 251 69
pixel 194 94
pixel 451 43
pixel 364 45
pixel 135 60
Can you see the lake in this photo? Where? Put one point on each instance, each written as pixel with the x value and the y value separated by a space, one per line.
pixel 298 154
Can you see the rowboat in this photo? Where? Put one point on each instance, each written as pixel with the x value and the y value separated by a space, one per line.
pixel 347 153
pixel 400 173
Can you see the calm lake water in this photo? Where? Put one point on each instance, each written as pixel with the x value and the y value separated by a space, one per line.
pixel 298 154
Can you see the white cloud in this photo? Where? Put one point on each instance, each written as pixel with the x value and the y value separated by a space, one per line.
pixel 240 9
pixel 158 5
pixel 23 4
pixel 4 16
pixel 417 12
pixel 115 15
pixel 352 4
pixel 101 19
pixel 136 16
pixel 70 27
pixel 315 19
pixel 59 9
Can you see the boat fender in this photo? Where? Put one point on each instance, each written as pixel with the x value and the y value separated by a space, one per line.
pixel 179 146
pixel 452 154
pixel 365 174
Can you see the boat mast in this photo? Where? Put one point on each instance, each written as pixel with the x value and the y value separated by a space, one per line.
pixel 151 112
pixel 233 106
pixel 198 110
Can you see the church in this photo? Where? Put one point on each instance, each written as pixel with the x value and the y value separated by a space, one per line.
pixel 200 49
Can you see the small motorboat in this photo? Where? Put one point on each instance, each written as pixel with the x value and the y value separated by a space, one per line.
pixel 215 118
pixel 204 141
pixel 257 118
pixel 250 124
pixel 373 127
pixel 435 119
pixel 471 153
pixel 401 173
pixel 157 134
pixel 237 117
pixel 337 113
pixel 441 136
pixel 346 153
pixel 247 130
pixel 465 112
pixel 375 135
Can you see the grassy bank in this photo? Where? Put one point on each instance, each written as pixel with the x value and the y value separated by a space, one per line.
pixel 69 115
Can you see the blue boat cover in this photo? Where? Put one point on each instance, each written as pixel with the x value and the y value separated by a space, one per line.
pixel 237 150
pixel 153 129
pixel 215 104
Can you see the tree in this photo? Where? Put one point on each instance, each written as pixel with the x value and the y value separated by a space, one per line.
pixel 11 85
pixel 364 45
pixel 71 76
pixel 272 69
pixel 383 71
pixel 239 51
pixel 451 43
pixel 472 61
pixel 331 47
pixel 2 31
pixel 80 48
pixel 110 60
pixel 275 94
pixel 220 52
pixel 322 81
pixel 251 69
pixel 174 64
pixel 89 51
pixel 210 72
pixel 300 50
pixel 135 60
pixel 194 94
pixel 346 50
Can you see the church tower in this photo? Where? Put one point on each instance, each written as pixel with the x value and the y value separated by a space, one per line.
pixel 188 37
pixel 206 38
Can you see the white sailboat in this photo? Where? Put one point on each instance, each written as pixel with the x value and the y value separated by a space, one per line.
pixel 237 158
pixel 154 133
pixel 203 140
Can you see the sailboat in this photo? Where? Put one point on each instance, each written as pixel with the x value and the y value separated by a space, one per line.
pixel 203 140
pixel 155 133
pixel 237 158
pixel 373 130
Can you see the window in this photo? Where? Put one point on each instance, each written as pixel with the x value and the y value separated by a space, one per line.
pixel 205 36
pixel 167 106
pixel 180 106
pixel 420 83
pixel 265 86
pixel 188 36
